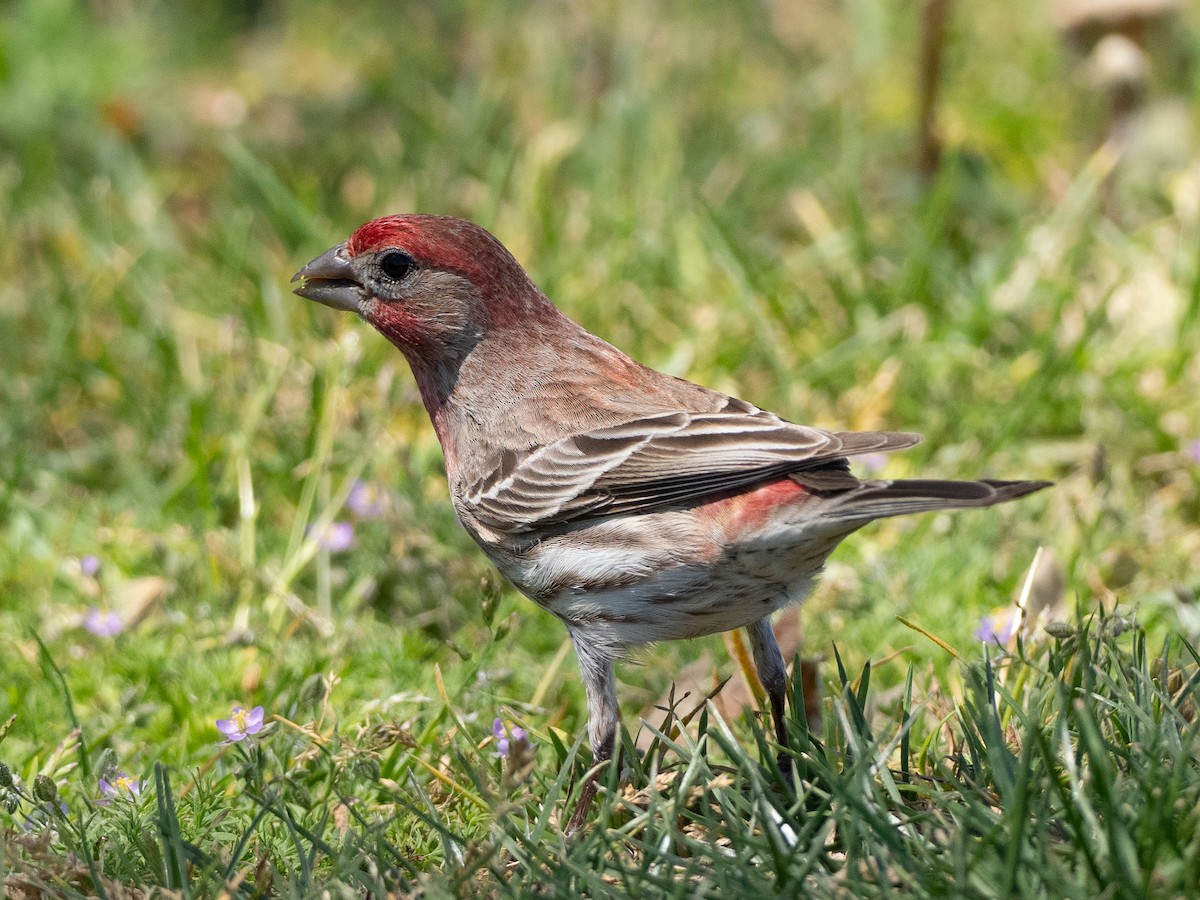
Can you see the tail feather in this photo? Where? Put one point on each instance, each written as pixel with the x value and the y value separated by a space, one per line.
pixel 880 499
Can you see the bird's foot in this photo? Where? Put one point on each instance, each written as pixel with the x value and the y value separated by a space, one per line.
pixel 787 769
pixel 583 806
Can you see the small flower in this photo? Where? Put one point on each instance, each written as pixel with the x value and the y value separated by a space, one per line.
pixel 366 500
pixel 121 786
pixel 44 789
pixel 1193 451
pixel 240 724
pixel 103 623
pixel 89 565
pixel 872 463
pixel 1060 631
pixel 508 740
pixel 997 627
pixel 336 538
pixel 10 790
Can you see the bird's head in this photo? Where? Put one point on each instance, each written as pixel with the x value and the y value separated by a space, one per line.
pixel 433 285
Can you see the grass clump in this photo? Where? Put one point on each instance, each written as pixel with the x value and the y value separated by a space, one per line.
pixel 213 494
pixel 1067 768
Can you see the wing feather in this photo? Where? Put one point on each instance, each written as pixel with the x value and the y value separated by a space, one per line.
pixel 645 464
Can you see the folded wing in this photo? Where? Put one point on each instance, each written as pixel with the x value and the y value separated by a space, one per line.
pixel 670 458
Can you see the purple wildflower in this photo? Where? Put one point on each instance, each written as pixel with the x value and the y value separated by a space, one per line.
pixel 89 565
pixel 121 786
pixel 501 738
pixel 508 740
pixel 872 463
pixel 366 500
pixel 1193 451
pixel 336 538
pixel 103 623
pixel 997 627
pixel 241 724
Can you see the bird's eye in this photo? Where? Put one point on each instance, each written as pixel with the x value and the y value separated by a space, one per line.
pixel 395 264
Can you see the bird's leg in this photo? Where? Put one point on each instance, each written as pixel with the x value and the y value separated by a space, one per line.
pixel 772 672
pixel 600 685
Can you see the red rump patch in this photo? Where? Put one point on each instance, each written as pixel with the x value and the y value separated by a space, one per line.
pixel 747 512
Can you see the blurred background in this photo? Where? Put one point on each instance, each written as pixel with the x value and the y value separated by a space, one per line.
pixel 979 221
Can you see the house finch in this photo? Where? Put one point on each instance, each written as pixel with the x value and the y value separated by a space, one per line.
pixel 635 506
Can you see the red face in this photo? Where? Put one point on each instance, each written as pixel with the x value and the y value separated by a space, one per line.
pixel 431 284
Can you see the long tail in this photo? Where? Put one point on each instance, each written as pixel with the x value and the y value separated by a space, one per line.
pixel 879 499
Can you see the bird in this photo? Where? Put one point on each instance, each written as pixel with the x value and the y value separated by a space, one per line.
pixel 635 506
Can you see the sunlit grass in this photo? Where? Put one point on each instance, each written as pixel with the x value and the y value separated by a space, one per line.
pixel 725 190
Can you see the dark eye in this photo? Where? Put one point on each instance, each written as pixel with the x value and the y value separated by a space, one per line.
pixel 395 264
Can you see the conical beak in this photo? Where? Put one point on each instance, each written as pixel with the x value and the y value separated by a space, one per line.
pixel 330 279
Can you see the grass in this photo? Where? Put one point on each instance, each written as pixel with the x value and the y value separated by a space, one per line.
pixel 725 190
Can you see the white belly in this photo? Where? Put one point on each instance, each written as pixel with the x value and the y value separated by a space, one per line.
pixel 660 578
